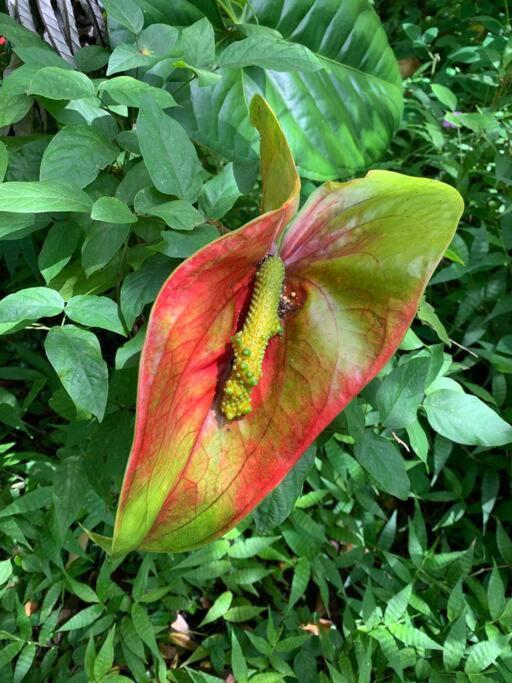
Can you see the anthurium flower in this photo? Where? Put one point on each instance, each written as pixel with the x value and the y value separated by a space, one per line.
pixel 355 261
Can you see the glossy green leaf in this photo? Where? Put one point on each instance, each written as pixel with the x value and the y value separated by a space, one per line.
pixel 30 304
pixel 4 161
pixel 129 91
pixel 483 654
pixel 170 157
pixel 112 210
pixel 58 248
pixel 178 214
pixel 410 635
pixel 219 608
pixel 13 107
pixel 356 95
pixel 218 194
pixel 95 311
pixel 198 43
pixel 76 153
pixel 38 197
pixel 270 52
pixel 60 84
pixel 141 287
pixel 125 57
pixel 183 244
pixel 466 419
pixel 83 618
pixel 102 241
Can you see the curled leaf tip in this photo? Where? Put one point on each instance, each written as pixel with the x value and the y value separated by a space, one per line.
pixel 249 345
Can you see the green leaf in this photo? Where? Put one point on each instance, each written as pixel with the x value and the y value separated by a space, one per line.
pixel 270 52
pixel 177 214
pixel 218 195
pixel 300 581
pixel 483 654
pixel 144 627
pixel 83 618
pixel 238 663
pixel 128 354
pixel 466 419
pixel 30 304
pixel 105 658
pixel 427 314
pixel 455 644
pixel 68 492
pixel 91 58
pixel 13 107
pixel 278 505
pixel 218 609
pixel 170 157
pixel 129 91
pixel 496 594
pixel 249 547
pixel 125 57
pixel 101 243
pixel 140 288
pixel 81 590
pixel 397 606
pixel 444 95
pixel 400 394
pixel 412 636
pixel 29 502
pixel 198 43
pixel 183 244
pixel 112 210
pixel 24 663
pixel 504 543
pixel 95 311
pixel 34 197
pixel 76 155
pixel 75 355
pixel 385 464
pixel 61 84
pixel 353 104
pixel 58 248
pixel 4 161
pixel 126 12
pixel 242 613
pixel 89 657
pixel 5 571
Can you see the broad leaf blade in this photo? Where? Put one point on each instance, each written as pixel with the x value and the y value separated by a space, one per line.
pixel 337 119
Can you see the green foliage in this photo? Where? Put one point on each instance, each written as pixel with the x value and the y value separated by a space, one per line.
pixel 386 554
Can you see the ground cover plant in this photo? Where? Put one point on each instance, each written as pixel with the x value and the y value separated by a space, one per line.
pixel 385 554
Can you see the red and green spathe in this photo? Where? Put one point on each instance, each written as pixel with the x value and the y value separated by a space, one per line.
pixel 357 258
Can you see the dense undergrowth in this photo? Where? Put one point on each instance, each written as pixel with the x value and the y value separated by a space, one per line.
pixel 333 578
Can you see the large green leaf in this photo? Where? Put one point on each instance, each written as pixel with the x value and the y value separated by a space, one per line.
pixel 337 119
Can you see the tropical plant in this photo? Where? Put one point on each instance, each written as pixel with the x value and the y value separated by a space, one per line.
pixel 333 576
pixel 347 299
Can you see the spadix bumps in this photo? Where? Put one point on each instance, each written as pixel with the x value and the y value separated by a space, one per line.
pixel 249 345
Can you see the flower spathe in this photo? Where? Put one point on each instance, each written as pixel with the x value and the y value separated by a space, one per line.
pixel 357 258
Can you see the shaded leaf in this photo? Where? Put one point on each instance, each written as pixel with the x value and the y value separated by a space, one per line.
pixel 76 357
